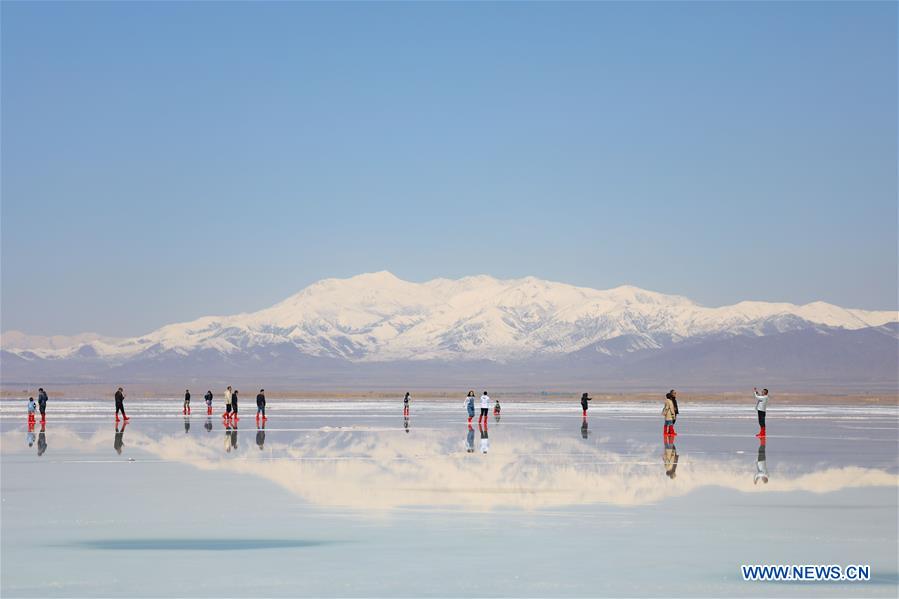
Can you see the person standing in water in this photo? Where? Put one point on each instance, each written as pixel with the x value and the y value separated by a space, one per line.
pixel 673 398
pixel 584 405
pixel 42 403
pixel 485 408
pixel 234 404
pixel 469 406
pixel 496 410
pixel 260 405
pixel 32 408
pixel 668 416
pixel 406 401
pixel 761 406
pixel 186 409
pixel 208 398
pixel 228 396
pixel 120 404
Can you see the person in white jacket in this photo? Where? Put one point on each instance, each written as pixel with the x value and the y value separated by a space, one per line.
pixel 485 408
pixel 227 413
pixel 761 406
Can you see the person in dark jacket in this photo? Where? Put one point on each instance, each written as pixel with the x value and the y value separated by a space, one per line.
pixel 186 409
pixel 234 404
pixel 208 398
pixel 406 401
pixel 673 398
pixel 260 405
pixel 42 403
pixel 584 406
pixel 120 404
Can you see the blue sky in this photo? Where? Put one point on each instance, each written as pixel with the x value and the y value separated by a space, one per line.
pixel 165 161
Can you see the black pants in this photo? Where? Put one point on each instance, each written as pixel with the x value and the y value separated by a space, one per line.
pixel 234 406
pixel 260 409
pixel 761 418
pixel 119 407
pixel 485 412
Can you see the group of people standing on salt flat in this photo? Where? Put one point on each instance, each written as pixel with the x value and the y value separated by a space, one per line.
pixel 670 409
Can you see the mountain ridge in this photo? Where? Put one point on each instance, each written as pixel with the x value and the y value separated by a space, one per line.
pixel 378 317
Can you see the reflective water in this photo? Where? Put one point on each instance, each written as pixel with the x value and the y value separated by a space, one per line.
pixel 352 498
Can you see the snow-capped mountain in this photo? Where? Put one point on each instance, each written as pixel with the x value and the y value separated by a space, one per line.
pixel 378 317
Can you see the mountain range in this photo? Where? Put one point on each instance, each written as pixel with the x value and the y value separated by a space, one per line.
pixel 376 329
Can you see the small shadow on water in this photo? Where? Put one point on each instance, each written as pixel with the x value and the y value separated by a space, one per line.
pixel 195 544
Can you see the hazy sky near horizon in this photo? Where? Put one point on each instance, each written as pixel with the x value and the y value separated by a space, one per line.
pixel 164 161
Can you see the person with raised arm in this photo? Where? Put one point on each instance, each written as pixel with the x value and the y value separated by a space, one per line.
pixel 584 399
pixel 761 406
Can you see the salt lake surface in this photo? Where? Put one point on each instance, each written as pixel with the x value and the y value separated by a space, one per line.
pixel 347 498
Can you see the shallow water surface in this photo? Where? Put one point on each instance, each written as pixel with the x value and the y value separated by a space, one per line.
pixel 351 499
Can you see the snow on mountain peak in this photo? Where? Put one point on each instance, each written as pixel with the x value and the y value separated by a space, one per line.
pixel 378 316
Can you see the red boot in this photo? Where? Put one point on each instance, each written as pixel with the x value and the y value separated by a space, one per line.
pixel 761 432
pixel 671 431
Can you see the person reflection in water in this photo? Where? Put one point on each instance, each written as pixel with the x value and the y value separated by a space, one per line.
pixel 229 434
pixel 208 425
pixel 585 429
pixel 670 457
pixel 260 435
pixel 119 442
pixel 485 440
pixel 234 435
pixel 29 436
pixel 406 422
pixel 42 440
pixel 469 440
pixel 761 465
pixel 186 424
